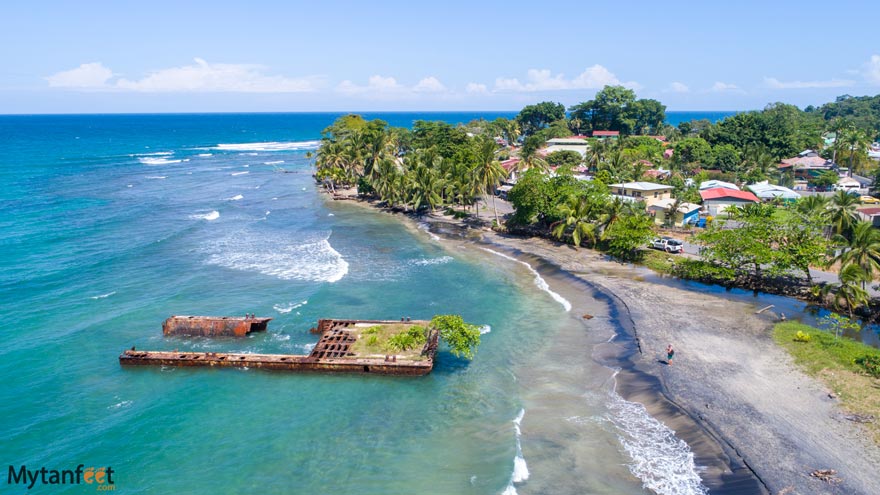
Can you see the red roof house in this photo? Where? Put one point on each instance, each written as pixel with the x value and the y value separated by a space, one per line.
pixel 604 134
pixel 718 199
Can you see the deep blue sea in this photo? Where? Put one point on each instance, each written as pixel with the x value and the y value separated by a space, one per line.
pixel 111 223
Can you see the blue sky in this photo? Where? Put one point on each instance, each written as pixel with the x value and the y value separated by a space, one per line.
pixel 193 56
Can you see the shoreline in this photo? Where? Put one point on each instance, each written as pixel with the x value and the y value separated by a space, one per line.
pixel 734 396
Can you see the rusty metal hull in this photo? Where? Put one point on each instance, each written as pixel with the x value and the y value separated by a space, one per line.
pixel 277 362
pixel 213 326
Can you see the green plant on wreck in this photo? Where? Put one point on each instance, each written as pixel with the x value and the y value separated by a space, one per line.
pixel 462 338
pixel 412 338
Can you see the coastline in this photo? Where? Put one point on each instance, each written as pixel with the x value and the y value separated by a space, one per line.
pixel 754 422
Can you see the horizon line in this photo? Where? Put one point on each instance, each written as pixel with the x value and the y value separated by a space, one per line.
pixel 281 112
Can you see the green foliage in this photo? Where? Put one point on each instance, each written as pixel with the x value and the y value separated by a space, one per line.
pixel 825 351
pixel 615 108
pixel 533 118
pixel 445 138
pixel 564 158
pixel 373 340
pixel 838 324
pixel 625 236
pixel 693 150
pixel 826 179
pixel 863 112
pixel 413 338
pixel 801 336
pixel 462 338
pixel 726 157
pixel 870 363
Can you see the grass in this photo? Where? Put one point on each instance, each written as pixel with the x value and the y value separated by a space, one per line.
pixel 380 341
pixel 834 362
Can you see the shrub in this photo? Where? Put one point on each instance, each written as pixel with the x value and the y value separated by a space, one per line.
pixel 373 340
pixel 463 338
pixel 802 337
pixel 871 364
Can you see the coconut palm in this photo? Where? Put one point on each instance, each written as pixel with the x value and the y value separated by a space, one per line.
pixel 863 250
pixel 842 214
pixel 595 155
pixel 578 216
pixel 424 187
pixel 854 143
pixel 849 290
pixel 812 206
pixel 487 172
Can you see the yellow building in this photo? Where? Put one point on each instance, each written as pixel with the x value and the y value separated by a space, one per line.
pixel 648 192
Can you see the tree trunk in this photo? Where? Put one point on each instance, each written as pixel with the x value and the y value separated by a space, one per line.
pixel 496 210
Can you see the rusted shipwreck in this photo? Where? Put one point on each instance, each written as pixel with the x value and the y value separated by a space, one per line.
pixel 337 350
pixel 214 326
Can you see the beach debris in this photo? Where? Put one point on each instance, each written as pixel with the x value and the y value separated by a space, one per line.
pixel 826 475
pixel 763 309
pixel 587 317
pixel 859 418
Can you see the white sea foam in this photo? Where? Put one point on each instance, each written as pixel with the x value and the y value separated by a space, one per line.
pixel 103 296
pixel 485 329
pixel 237 197
pixel 306 347
pixel 663 462
pixel 203 155
pixel 281 255
pixel 157 153
pixel 269 146
pixel 120 405
pixel 274 162
pixel 214 215
pixel 433 261
pixel 520 469
pixel 290 307
pixel 239 173
pixel 157 177
pixel 329 214
pixel 146 160
pixel 427 229
pixel 539 281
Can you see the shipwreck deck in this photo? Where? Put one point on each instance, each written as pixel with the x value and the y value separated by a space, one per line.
pixel 332 353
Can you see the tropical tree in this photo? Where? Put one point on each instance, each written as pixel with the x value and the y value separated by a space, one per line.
pixel 842 214
pixel 849 290
pixel 625 236
pixel 862 249
pixel 578 215
pixel 487 172
pixel 854 145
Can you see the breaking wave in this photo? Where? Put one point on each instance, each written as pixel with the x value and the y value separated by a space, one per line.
pixel 663 462
pixel 156 153
pixel 214 215
pixel 485 329
pixel 539 280
pixel 103 296
pixel 269 146
pixel 156 177
pixel 146 160
pixel 433 261
pixel 427 229
pixel 290 307
pixel 239 173
pixel 237 197
pixel 520 469
pixel 280 256
pixel 274 162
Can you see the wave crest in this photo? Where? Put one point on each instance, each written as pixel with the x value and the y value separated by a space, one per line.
pixel 269 146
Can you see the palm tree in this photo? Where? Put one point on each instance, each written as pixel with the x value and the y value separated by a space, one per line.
pixel 595 156
pixel 812 205
pixel 842 212
pixel 855 143
pixel 424 187
pixel 863 250
pixel 849 290
pixel 487 171
pixel 578 215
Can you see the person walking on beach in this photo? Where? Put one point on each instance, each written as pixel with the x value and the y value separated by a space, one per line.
pixel 670 353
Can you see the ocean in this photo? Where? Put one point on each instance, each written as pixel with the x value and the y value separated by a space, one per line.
pixel 112 223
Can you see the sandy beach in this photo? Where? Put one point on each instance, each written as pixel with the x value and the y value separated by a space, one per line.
pixel 733 395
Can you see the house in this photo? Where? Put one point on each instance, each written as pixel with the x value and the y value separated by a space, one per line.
pixel 807 165
pixel 575 143
pixel 718 199
pixel 510 166
pixel 606 134
pixel 687 213
pixel 711 184
pixel 768 192
pixel 648 192
pixel 667 153
pixel 870 215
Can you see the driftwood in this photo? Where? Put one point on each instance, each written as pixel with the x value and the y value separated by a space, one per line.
pixel 826 475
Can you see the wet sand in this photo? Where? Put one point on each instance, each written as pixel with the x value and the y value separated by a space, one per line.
pixel 755 423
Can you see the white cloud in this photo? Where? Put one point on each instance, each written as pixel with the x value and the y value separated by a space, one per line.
pixel 871 70
pixel 721 86
pixel 677 87
pixel 93 75
pixel 476 88
pixel 774 83
pixel 429 85
pixel 375 84
pixel 201 77
pixel 594 77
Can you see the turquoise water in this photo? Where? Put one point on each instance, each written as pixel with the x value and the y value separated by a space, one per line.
pixel 112 223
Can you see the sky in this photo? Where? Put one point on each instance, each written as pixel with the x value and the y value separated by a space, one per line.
pixel 325 55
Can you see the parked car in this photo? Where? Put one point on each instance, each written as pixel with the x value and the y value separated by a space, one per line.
pixel 869 199
pixel 668 244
